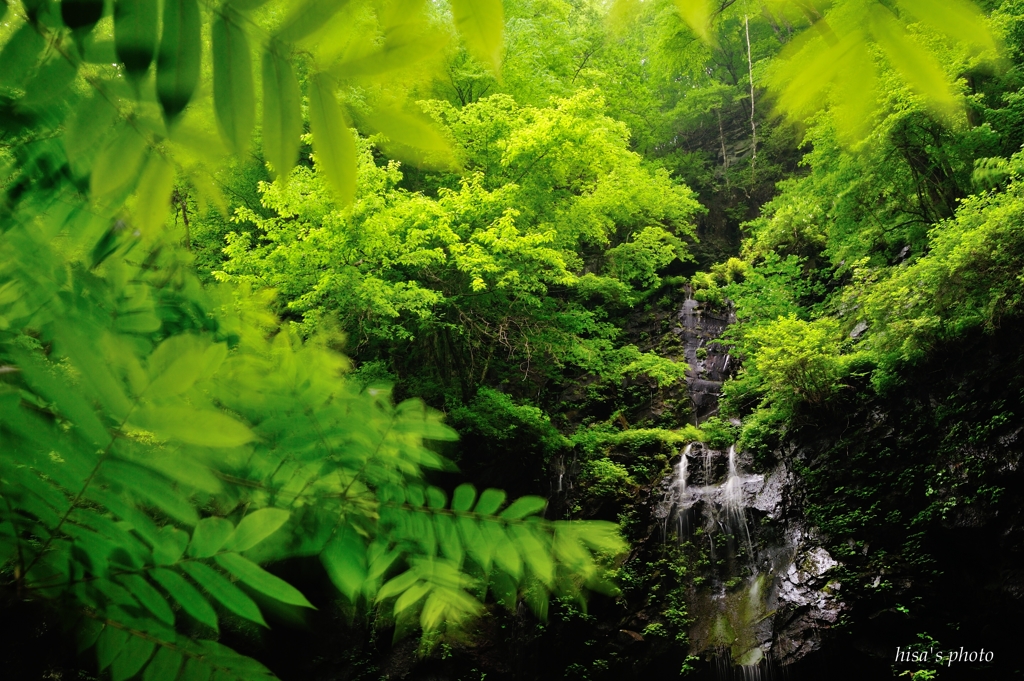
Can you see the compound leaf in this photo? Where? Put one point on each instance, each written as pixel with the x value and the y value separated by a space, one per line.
pixel 256 527
pixel 226 593
pixel 259 579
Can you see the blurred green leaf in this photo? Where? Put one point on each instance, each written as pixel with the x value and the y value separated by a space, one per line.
pixel 490 501
pixel 149 597
pixel 187 596
pixel 282 113
pixel 256 527
pixel 481 24
pixel 19 54
pixel 153 200
pixel 311 16
pixel 109 645
pixel 178 62
pixel 134 655
pixel 257 578
pixel 209 536
pixel 233 94
pixel 332 140
pixel 344 558
pixel 226 593
pixel 203 427
pixel 164 666
pixel 524 506
pixel 135 35
pixel 463 498
pixel 697 14
pixel 118 165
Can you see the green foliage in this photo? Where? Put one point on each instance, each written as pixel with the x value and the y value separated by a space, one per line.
pixel 597 439
pixel 663 371
pixel 166 442
pixel 791 361
pixel 496 419
pixel 112 458
pixel 718 433
pixel 878 201
pixel 490 273
pixel 762 430
pixel 707 286
pixel 774 287
pixel 605 478
pixel 375 374
pixel 969 278
pixel 162 439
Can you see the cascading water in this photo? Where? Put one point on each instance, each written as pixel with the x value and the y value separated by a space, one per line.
pixel 752 578
pixel 732 501
pixel 732 493
pixel 720 494
pixel 679 490
pixel 679 480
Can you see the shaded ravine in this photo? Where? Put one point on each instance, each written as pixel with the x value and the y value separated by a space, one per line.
pixel 767 593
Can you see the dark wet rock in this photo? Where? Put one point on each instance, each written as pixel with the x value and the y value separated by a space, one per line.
pixel 708 361
pixel 783 594
pixel 774 593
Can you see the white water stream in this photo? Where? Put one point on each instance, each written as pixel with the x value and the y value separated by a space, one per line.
pixel 701 492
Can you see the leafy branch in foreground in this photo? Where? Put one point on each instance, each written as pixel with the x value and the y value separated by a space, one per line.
pixel 161 440
pixel 129 99
pixel 114 441
pixel 841 59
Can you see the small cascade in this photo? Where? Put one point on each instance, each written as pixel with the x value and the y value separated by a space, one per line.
pixel 763 584
pixel 708 455
pixel 732 501
pixel 682 499
pixel 712 491
pixel 732 493
pixel 679 480
pixel 721 492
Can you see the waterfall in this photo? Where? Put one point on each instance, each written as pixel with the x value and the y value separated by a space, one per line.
pixel 708 455
pixel 679 481
pixel 732 491
pixel 741 587
pixel 716 492
pixel 732 502
pixel 679 493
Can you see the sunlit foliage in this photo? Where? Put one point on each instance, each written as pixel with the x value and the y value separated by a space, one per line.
pixel 487 272
pixel 161 439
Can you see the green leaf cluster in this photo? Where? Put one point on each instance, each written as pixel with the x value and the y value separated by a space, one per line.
pixel 165 442
pixel 498 271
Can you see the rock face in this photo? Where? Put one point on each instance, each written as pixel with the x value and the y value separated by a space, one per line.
pixel 708 361
pixel 770 594
pixel 773 594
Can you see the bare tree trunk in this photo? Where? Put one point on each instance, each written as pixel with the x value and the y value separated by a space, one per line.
pixel 725 155
pixel 181 200
pixel 753 124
